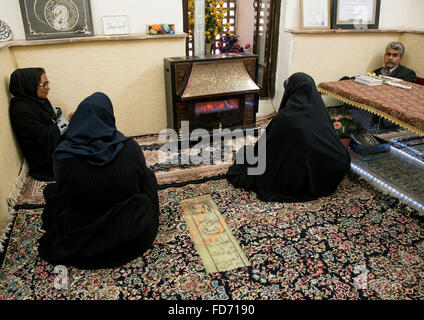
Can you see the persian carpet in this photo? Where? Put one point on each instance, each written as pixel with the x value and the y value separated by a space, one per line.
pixel 355 244
pixel 167 174
pixel 216 159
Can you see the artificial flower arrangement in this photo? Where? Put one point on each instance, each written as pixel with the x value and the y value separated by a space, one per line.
pixel 228 44
pixel 373 75
pixel 214 16
pixel 380 77
pixel 343 125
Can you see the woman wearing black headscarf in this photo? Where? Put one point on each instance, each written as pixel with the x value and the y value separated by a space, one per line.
pixel 37 125
pixel 304 156
pixel 104 210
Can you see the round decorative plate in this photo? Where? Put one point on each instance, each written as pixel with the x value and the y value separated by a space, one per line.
pixel 5 32
pixel 61 15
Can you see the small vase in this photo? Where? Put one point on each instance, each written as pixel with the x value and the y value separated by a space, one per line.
pixel 345 142
pixel 209 47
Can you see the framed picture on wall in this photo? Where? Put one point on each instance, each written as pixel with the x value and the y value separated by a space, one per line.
pixel 49 19
pixel 355 14
pixel 115 24
pixel 315 14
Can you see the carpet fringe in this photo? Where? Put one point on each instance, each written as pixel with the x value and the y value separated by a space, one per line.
pixel 12 199
pixel 4 234
pixel 18 185
pixel 372 110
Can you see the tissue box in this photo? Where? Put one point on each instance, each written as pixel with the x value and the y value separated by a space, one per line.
pixel 365 150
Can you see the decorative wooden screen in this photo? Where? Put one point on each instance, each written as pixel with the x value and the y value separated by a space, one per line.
pixel 229 5
pixel 265 44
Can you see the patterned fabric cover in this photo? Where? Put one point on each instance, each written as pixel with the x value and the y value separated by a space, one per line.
pixel 401 106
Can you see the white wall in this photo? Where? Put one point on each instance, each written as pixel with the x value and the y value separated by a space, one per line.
pixel 139 13
pixel 139 99
pixel 245 22
pixel 394 14
pixel 285 47
pixel 294 51
pixel 405 14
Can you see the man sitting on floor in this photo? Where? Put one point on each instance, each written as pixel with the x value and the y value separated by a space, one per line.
pixel 392 68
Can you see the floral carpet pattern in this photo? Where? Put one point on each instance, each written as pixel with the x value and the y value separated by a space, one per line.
pixel 181 166
pixel 356 244
pixel 167 173
pixel 219 159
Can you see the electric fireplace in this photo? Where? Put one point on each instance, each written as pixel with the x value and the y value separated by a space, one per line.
pixel 216 106
pixel 212 92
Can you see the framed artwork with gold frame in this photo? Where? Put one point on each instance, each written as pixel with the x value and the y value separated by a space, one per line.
pixel 51 19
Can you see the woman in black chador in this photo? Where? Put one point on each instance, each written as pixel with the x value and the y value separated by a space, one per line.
pixel 38 126
pixel 103 211
pixel 304 156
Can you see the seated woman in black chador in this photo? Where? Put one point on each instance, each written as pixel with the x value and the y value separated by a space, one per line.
pixel 38 126
pixel 104 210
pixel 304 156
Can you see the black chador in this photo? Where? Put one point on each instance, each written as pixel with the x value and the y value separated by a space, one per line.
pixel 304 156
pixel 104 210
pixel 34 123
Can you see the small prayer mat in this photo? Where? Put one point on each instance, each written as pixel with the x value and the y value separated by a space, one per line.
pixel 215 243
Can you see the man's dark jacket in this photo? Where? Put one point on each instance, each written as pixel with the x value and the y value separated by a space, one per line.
pixel 401 72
